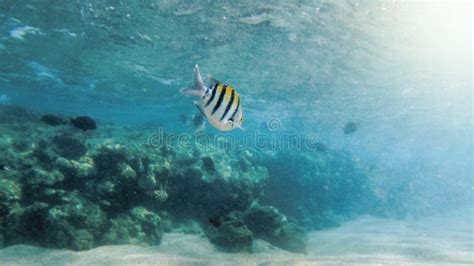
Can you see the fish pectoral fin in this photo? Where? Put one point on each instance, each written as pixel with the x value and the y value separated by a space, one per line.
pixel 235 124
pixel 199 108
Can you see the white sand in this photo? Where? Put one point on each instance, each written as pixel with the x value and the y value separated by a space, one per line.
pixel 447 240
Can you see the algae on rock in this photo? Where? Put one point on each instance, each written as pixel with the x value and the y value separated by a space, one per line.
pixel 267 223
pixel 76 224
pixel 139 226
pixel 232 236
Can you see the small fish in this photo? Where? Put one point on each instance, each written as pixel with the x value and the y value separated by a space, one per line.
pixel 350 127
pixel 84 123
pixel 52 120
pixel 215 221
pixel 219 102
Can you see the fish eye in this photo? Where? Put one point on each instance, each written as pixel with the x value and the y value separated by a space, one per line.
pixel 241 119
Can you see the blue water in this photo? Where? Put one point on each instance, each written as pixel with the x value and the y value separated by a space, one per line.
pixel 401 70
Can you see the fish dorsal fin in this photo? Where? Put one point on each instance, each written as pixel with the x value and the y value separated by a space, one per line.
pixel 198 87
pixel 198 83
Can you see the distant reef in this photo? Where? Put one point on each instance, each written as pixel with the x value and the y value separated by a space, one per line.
pixel 61 187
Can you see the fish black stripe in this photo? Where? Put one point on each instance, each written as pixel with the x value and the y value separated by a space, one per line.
pixel 219 101
pixel 236 109
pixel 212 95
pixel 227 108
pixel 206 93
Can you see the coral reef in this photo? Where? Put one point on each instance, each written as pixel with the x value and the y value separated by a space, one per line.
pixel 10 195
pixel 65 188
pixel 136 227
pixel 68 146
pixel 62 187
pixel 76 224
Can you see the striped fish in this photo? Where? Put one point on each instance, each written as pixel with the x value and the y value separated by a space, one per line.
pixel 219 102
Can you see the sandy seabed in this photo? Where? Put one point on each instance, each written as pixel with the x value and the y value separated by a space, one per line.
pixel 445 240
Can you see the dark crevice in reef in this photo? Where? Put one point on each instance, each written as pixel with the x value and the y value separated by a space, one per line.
pixel 66 188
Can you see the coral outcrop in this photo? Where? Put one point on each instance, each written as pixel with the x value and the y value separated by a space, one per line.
pixel 75 224
pixel 268 223
pixel 232 236
pixel 138 226
pixel 64 188
pixel 61 187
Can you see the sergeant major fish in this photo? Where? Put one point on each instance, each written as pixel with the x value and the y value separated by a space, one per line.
pixel 219 102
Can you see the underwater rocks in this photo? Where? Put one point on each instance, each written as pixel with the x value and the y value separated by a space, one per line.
pixel 214 185
pixel 68 146
pixel 40 177
pixel 139 226
pixel 267 223
pixel 76 224
pixel 108 157
pixel 126 177
pixel 24 225
pixel 192 195
pixel 10 195
pixel 264 220
pixel 153 182
pixel 231 236
pixel 47 150
pixel 235 232
pixel 208 163
pixel 76 171
pixel 77 191
pixel 10 114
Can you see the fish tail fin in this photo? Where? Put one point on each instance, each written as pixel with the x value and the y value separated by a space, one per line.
pixel 198 88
